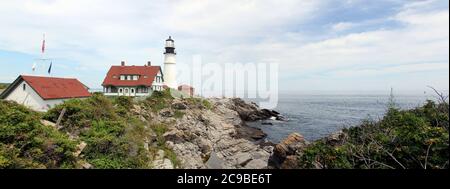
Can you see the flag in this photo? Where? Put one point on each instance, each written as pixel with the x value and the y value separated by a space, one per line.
pixel 34 66
pixel 43 44
pixel 50 68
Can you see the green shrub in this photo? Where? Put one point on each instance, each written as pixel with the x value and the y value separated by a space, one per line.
pixel 207 104
pixel 80 112
pixel 413 139
pixel 178 114
pixel 114 137
pixel 159 100
pixel 26 143
pixel 123 105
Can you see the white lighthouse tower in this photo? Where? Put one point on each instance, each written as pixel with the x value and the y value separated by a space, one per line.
pixel 170 69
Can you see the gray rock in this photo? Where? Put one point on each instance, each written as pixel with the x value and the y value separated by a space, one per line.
pixel 179 105
pixel 256 164
pixel 166 112
pixel 163 164
pixel 215 138
pixel 214 162
pixel 243 158
pixel 336 138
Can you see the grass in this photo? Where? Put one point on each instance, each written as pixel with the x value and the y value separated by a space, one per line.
pixel 178 114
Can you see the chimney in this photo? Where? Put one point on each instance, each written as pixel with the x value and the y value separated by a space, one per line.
pixel 122 63
pixel 149 63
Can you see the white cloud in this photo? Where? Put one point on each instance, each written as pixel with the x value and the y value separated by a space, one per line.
pixel 99 33
pixel 342 26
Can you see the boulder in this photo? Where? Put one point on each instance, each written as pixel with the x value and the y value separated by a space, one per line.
pixel 256 164
pixel 251 111
pixel 214 162
pixel 243 158
pixel 175 136
pixel 163 164
pixel 166 112
pixel 291 162
pixel 337 138
pixel 290 146
pixel 266 123
pixel 48 123
pixel 179 105
pixel 250 133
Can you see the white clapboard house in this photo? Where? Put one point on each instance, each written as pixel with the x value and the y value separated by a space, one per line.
pixel 42 93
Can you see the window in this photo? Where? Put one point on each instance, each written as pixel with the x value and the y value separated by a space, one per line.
pixel 132 90
pixel 126 91
pixel 24 86
pixel 120 90
pixel 122 77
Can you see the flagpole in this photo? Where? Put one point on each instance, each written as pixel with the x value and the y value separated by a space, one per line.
pixel 43 59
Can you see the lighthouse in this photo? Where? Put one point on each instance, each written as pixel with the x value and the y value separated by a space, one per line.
pixel 170 69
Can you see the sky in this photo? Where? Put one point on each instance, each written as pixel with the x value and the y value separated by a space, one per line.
pixel 358 45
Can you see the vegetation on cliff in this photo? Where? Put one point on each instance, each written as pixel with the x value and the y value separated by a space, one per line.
pixel 404 139
pixel 115 137
pixel 26 143
pixel 123 132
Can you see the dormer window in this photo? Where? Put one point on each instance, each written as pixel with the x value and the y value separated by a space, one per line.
pixel 122 77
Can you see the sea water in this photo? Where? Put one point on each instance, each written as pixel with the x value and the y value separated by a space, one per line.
pixel 316 115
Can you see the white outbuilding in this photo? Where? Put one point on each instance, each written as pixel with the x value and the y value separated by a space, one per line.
pixel 42 93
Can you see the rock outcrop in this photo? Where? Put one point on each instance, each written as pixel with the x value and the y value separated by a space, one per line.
pixel 214 137
pixel 285 153
pixel 251 111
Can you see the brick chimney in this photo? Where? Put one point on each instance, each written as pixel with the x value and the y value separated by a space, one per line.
pixel 149 63
pixel 122 63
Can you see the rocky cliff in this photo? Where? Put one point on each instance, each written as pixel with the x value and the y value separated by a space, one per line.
pixel 212 135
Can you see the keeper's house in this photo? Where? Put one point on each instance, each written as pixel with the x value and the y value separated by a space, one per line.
pixel 42 93
pixel 133 80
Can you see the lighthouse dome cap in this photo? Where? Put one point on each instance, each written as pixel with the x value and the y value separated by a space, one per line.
pixel 170 38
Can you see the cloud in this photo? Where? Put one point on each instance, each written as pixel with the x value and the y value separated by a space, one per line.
pixel 341 26
pixel 97 34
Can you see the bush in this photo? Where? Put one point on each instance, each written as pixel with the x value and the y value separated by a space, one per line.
pixel 413 139
pixel 178 114
pixel 114 137
pixel 26 143
pixel 123 104
pixel 159 100
pixel 80 112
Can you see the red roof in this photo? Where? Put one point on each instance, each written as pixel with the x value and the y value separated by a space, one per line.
pixel 56 88
pixel 146 75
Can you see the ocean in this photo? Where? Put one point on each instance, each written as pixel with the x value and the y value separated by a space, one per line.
pixel 318 115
